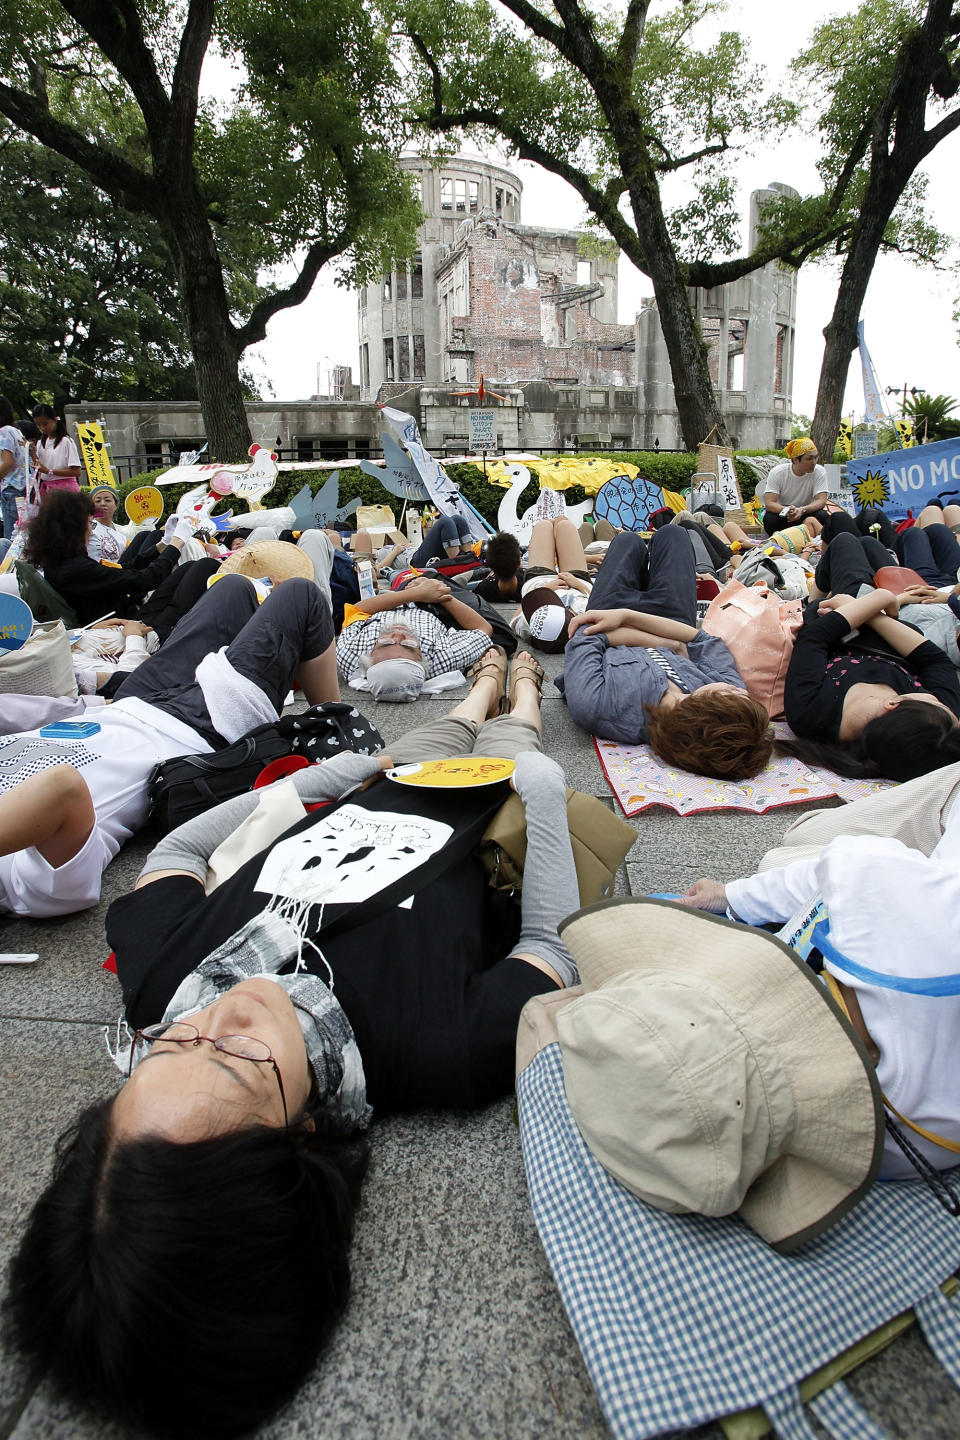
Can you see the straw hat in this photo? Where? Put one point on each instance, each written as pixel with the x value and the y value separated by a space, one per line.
pixel 709 1070
pixel 269 560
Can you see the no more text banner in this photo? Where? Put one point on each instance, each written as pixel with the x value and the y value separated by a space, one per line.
pixel 902 480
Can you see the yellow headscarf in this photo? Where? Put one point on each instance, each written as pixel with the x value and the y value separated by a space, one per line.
pixel 795 448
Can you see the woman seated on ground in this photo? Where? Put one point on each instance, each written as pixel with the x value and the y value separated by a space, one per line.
pixel 270 1015
pixel 107 542
pixel 865 693
pixel 796 489
pixel 57 539
pixel 637 668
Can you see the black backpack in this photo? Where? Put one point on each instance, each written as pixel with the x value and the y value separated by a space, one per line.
pixel 187 785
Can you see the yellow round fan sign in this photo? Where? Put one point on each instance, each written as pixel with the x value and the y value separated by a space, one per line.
pixel 457 774
pixel 144 504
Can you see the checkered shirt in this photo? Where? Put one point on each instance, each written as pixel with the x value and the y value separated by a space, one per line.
pixel 683 1318
pixel 442 649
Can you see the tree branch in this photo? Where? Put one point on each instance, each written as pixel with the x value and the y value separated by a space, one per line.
pixel 542 27
pixel 184 91
pixel 601 202
pixel 107 168
pixel 293 294
pixel 631 36
pixel 677 164
pixel 114 25
pixel 940 131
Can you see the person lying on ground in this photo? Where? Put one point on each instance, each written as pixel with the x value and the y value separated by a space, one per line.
pixel 447 537
pixel 502 555
pixel 68 803
pixel 270 1016
pixel 555 562
pixel 884 874
pixel 397 645
pixel 111 649
pixel 637 669
pixel 864 693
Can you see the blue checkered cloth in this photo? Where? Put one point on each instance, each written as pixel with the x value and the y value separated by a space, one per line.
pixel 682 1319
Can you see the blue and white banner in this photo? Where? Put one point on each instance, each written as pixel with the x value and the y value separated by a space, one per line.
pixel 902 480
pixel 873 408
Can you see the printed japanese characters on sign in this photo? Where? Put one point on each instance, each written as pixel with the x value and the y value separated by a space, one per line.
pixel 144 504
pixel 94 453
pixel 483 434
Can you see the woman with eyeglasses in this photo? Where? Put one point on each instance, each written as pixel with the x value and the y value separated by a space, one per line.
pixel 190 1256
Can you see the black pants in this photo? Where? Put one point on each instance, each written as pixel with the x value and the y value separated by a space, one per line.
pixel 772 523
pixel 266 643
pixel 932 551
pixel 658 578
pixel 849 561
pixel 176 595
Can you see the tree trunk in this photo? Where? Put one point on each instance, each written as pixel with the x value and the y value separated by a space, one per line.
pixel 211 334
pixel 697 408
pixel 840 333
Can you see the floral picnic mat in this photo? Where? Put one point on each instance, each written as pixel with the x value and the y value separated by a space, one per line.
pixel 640 780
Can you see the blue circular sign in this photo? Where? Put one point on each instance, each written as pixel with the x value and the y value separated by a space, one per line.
pixel 16 622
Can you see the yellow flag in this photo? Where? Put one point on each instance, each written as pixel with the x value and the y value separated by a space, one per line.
pixel 845 438
pixel 904 429
pixel 96 457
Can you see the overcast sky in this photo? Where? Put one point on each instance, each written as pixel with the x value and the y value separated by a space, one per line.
pixel 907 313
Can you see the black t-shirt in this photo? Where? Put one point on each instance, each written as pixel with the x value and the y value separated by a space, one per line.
pixel 433 1001
pixel 489 589
pixel 822 669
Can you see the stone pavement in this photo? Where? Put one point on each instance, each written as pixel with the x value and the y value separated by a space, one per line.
pixel 455 1329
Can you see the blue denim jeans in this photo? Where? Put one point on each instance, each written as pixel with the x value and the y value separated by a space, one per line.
pixel 8 509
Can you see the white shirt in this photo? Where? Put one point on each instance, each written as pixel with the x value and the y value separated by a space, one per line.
pixel 791 489
pixel 894 911
pixel 58 455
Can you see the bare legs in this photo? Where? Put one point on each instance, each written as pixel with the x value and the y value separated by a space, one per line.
pixel 933 515
pixel 317 678
pixel 51 811
pixel 526 701
pixel 556 545
pixel 485 692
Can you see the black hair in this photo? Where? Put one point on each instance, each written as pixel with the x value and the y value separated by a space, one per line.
pixel 47 412
pixel 900 744
pixel 58 531
pixel 502 554
pixel 187 1288
pixel 27 428
pixel 6 411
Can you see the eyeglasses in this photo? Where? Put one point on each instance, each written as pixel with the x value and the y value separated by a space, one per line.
pixel 243 1047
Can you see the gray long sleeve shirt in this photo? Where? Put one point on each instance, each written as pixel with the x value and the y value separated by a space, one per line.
pixel 608 687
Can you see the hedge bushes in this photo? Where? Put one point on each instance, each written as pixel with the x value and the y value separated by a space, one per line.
pixel 671 471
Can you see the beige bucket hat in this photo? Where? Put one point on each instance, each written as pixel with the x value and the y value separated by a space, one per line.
pixel 269 560
pixel 710 1071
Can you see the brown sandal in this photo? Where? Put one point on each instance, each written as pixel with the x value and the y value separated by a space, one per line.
pixel 493 662
pixel 525 667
